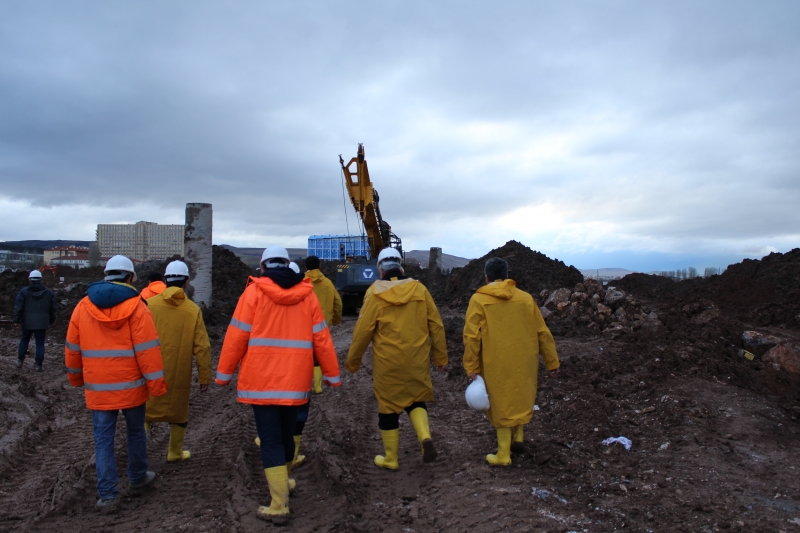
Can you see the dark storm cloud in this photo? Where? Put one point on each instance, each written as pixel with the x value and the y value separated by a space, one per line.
pixel 662 120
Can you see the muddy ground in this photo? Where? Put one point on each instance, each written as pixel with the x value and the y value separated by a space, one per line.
pixel 711 450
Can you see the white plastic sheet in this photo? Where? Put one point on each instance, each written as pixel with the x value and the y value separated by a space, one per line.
pixel 622 440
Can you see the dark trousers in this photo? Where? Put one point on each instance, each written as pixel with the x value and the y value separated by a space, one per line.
pixel 302 418
pixel 39 336
pixel 275 425
pixel 392 420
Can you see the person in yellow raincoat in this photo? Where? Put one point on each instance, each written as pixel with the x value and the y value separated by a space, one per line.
pixel 504 335
pixel 329 300
pixel 182 334
pixel 401 321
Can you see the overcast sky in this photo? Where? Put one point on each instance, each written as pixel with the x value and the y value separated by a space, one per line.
pixel 642 135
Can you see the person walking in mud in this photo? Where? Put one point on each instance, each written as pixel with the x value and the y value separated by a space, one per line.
pixel 182 334
pixel 504 335
pixel 34 311
pixel 112 351
pixel 401 321
pixel 277 330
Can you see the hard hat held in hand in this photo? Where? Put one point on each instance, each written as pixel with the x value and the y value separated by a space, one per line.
pixel 476 395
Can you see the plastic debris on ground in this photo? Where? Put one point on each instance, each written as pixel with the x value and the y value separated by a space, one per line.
pixel 544 494
pixel 622 440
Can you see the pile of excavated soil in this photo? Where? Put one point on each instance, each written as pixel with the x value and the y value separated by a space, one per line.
pixel 531 270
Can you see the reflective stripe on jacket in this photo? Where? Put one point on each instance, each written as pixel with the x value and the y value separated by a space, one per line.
pixel 275 334
pixel 114 352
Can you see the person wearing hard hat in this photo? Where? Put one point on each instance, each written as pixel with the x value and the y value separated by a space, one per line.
pixel 183 336
pixel 330 301
pixel 34 311
pixel 155 285
pixel 277 330
pixel 504 336
pixel 112 351
pixel 401 321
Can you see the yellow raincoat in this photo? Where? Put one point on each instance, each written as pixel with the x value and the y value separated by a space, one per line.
pixel 504 334
pixel 328 296
pixel 182 334
pixel 404 326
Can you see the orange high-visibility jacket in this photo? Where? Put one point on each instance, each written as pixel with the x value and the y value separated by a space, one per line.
pixel 276 333
pixel 112 348
pixel 155 288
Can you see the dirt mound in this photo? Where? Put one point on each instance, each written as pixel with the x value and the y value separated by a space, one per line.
pixel 531 270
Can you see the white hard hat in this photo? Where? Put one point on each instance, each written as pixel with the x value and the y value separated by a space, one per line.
pixel 294 267
pixel 35 274
pixel 176 270
pixel 389 254
pixel 476 395
pixel 119 263
pixel 274 253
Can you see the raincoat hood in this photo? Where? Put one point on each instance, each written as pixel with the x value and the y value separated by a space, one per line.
pixel 173 296
pixel 37 290
pixel 499 289
pixel 281 296
pixel 283 276
pixel 112 303
pixel 316 275
pixel 398 292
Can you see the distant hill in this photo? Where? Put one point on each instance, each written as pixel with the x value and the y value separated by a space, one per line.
pixel 38 247
pixel 252 256
pixel 607 273
pixel 448 261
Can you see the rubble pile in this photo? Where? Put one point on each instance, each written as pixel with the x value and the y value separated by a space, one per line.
pixel 531 270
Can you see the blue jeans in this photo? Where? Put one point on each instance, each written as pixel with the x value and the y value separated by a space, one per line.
pixel 105 425
pixel 275 426
pixel 39 335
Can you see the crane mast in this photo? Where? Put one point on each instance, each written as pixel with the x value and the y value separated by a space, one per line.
pixel 366 201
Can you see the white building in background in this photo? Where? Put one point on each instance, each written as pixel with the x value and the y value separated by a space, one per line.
pixel 142 241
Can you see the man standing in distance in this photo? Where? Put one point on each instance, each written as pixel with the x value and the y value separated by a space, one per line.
pixel 182 333
pixel 504 335
pixel 35 311
pixel 329 300
pixel 276 332
pixel 112 350
pixel 401 321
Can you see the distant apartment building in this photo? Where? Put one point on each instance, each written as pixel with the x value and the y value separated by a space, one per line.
pixel 67 255
pixel 142 241
pixel 14 260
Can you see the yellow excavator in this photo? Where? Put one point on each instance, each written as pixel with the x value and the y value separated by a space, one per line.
pixel 358 273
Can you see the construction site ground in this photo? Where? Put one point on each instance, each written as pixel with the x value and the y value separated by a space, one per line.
pixel 707 454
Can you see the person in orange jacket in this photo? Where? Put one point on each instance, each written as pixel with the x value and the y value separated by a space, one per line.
pixel 276 332
pixel 155 285
pixel 112 351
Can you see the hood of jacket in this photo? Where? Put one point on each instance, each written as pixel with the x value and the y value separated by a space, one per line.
pixel 37 290
pixel 316 275
pixel 398 292
pixel 285 277
pixel 499 289
pixel 112 303
pixel 173 296
pixel 278 294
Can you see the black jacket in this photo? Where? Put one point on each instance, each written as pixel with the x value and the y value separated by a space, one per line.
pixel 35 307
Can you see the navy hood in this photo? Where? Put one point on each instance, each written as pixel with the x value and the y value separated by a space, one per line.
pixel 105 294
pixel 284 277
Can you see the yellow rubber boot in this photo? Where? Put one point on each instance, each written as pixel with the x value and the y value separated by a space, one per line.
pixel 518 443
pixel 278 480
pixel 317 380
pixel 175 451
pixel 147 428
pixel 258 442
pixel 419 418
pixel 292 482
pixel 391 445
pixel 297 457
pixel 503 455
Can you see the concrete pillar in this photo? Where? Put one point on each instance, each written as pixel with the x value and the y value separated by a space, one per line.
pixel 197 249
pixel 434 265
